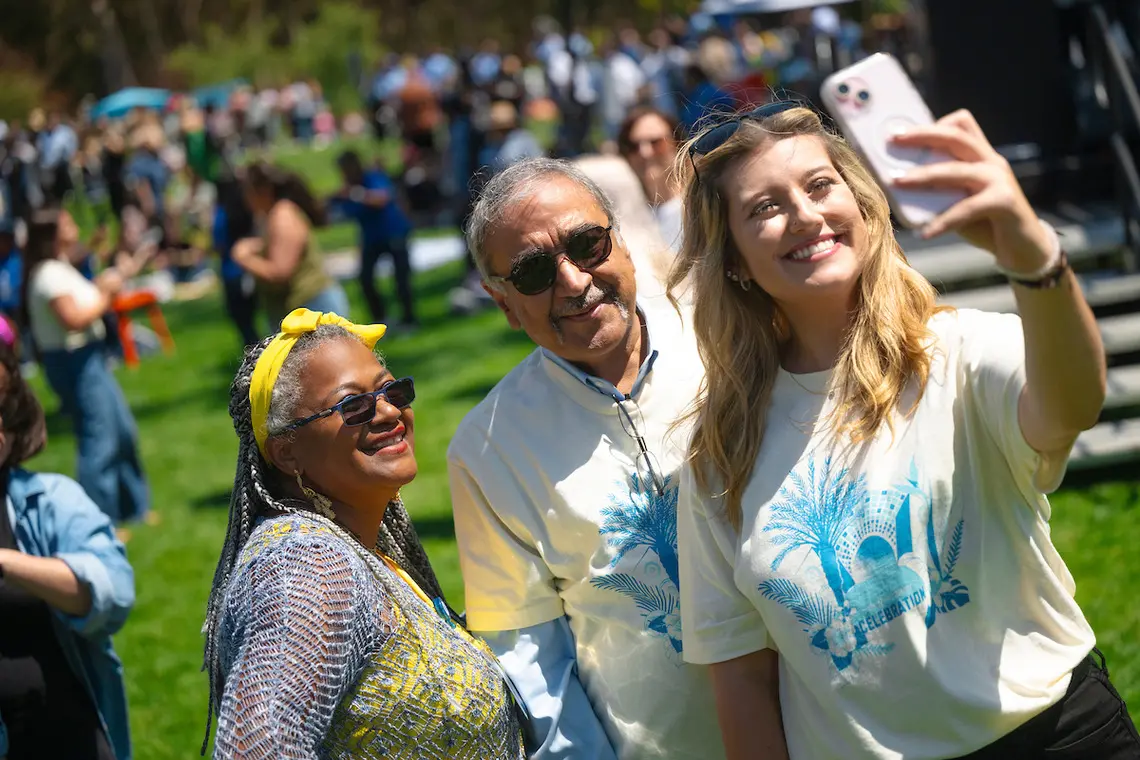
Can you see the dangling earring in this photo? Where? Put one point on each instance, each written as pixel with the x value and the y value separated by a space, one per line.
pixel 321 503
pixel 745 285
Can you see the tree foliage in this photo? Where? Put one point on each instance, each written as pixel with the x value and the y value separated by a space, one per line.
pixel 97 46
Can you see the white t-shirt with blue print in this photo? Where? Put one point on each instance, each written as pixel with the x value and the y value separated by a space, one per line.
pixel 553 518
pixel 911 588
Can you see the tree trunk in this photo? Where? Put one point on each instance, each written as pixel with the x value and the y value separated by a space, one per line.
pixel 191 26
pixel 117 71
pixel 152 32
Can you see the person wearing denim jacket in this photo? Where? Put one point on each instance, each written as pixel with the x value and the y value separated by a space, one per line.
pixel 52 517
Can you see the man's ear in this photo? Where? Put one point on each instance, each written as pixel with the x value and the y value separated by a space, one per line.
pixel 279 452
pixel 500 299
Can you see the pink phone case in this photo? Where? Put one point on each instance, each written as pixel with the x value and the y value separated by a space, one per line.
pixel 871 100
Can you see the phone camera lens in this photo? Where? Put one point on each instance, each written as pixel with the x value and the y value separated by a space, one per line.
pixel 844 89
pixel 863 96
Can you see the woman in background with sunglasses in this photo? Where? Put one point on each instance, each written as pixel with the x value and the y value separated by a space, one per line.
pixel 647 140
pixel 868 470
pixel 327 634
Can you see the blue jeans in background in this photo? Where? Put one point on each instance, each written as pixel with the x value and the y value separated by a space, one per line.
pixel 332 299
pixel 241 305
pixel 370 255
pixel 108 465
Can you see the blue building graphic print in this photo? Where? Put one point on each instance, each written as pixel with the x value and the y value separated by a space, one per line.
pixel 642 522
pixel 864 544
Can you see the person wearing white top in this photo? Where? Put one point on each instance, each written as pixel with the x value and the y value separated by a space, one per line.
pixel 868 473
pixel 647 139
pixel 65 317
pixel 564 480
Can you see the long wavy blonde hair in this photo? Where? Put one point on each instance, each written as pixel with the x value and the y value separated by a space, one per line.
pixel 742 334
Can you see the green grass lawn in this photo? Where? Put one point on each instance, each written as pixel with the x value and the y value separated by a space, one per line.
pixel 189 448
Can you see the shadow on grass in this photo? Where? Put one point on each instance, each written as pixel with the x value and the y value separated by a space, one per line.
pixel 58 423
pixel 1116 476
pixel 435 527
pixel 467 345
pixel 209 397
pixel 472 393
pixel 216 500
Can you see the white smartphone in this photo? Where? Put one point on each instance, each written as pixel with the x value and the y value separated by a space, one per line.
pixel 872 100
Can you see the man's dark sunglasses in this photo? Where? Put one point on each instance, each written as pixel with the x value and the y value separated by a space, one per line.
pixel 359 409
pixel 536 272
pixel 718 135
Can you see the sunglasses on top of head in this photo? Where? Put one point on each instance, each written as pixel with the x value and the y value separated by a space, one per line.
pixel 716 136
pixel 536 271
pixel 360 409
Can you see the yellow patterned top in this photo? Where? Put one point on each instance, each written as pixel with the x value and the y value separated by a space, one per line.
pixel 330 651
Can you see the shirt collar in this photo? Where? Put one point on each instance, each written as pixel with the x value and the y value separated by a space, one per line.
pixel 605 387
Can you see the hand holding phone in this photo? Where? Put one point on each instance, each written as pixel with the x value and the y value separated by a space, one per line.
pixel 872 101
pixel 938 175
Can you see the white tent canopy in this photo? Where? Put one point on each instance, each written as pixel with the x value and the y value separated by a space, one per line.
pixel 717 7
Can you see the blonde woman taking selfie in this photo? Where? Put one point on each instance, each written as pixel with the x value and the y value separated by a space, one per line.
pixel 868 479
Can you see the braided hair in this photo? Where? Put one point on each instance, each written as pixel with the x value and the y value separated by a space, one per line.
pixel 256 492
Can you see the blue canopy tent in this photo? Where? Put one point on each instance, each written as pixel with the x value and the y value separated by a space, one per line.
pixel 122 102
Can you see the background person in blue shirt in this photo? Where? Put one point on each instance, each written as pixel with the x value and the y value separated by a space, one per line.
pixel 369 197
pixel 11 286
pixel 11 271
pixel 147 175
pixel 65 579
pixel 233 221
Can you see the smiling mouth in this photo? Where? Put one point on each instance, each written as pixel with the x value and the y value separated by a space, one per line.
pixel 392 439
pixel 587 312
pixel 816 248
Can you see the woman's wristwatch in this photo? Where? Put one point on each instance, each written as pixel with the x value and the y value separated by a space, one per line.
pixel 1050 275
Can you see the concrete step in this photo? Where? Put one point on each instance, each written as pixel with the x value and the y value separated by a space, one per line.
pixel 1121 334
pixel 946 264
pixel 1123 387
pixel 1107 443
pixel 1100 290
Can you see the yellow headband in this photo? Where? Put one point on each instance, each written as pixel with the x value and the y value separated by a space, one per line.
pixel 268 367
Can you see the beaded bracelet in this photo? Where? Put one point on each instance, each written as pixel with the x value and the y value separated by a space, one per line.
pixel 1048 276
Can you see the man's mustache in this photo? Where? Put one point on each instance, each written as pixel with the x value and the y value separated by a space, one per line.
pixel 593 296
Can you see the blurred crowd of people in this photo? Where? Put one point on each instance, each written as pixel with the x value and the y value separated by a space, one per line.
pixel 160 190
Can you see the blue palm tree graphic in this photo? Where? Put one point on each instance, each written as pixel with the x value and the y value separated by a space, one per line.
pixel 645 518
pixel 823 509
pixel 648 519
pixel 815 513
pixel 946 592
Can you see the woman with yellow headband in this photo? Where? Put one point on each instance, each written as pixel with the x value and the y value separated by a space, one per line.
pixel 327 634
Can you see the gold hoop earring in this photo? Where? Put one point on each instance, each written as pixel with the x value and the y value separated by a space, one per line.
pixel 321 503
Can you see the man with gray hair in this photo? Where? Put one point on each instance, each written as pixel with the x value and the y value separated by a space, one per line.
pixel 564 480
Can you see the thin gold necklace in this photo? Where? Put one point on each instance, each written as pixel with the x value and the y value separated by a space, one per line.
pixel 797 382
